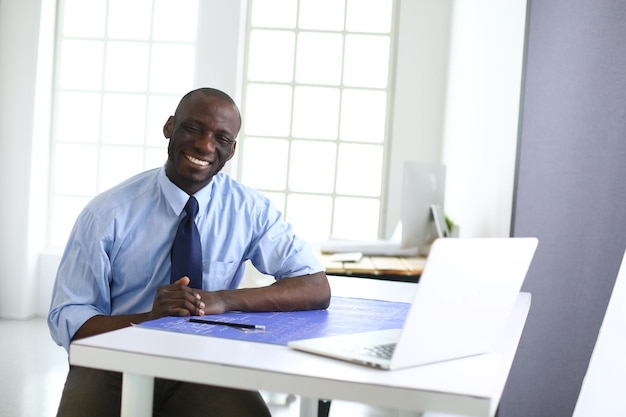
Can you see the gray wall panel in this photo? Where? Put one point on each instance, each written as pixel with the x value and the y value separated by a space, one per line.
pixel 570 193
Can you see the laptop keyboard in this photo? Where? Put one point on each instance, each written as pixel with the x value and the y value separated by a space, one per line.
pixel 380 351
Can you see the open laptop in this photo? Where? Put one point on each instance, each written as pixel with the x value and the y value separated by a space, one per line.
pixel 463 301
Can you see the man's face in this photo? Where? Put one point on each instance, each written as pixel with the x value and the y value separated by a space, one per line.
pixel 202 137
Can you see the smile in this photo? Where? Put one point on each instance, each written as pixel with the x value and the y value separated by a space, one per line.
pixel 197 161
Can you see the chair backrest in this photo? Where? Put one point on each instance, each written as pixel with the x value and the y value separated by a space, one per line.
pixel 602 392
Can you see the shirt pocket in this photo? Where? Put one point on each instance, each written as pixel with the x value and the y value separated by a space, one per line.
pixel 217 275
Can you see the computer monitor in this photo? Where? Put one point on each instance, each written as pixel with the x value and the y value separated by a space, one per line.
pixel 423 190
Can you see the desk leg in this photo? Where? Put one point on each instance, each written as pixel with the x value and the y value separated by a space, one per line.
pixel 308 407
pixel 137 395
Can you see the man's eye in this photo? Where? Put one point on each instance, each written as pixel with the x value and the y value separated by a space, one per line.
pixel 225 140
pixel 192 129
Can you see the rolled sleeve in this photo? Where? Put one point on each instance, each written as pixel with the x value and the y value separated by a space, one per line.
pixel 279 252
pixel 81 290
pixel 303 262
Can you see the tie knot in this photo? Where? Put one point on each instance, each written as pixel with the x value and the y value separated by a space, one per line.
pixel 192 207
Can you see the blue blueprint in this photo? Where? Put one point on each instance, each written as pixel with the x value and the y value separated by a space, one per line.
pixel 343 316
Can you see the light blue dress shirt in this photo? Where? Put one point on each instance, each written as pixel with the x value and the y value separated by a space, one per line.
pixel 118 252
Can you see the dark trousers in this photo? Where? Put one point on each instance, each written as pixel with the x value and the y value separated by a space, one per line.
pixel 97 393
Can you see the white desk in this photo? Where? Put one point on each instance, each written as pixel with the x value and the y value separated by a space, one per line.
pixel 471 386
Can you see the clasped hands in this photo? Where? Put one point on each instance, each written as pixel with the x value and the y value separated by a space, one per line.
pixel 178 299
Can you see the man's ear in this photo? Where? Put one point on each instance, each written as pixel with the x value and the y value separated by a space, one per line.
pixel 168 127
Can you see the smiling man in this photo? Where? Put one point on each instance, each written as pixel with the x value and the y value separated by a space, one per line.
pixel 201 141
pixel 117 268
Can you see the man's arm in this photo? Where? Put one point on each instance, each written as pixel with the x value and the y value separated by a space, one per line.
pixel 306 292
pixel 171 300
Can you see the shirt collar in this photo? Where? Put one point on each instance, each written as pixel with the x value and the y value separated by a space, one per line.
pixel 177 198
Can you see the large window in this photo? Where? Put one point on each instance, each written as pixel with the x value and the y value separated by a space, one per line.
pixel 121 66
pixel 316 96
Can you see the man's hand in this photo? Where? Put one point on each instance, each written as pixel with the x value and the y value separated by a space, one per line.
pixel 306 292
pixel 177 299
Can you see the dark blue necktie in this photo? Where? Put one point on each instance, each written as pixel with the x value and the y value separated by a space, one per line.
pixel 186 249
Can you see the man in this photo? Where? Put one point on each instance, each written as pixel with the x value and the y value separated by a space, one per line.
pixel 116 267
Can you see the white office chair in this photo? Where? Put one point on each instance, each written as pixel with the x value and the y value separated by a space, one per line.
pixel 602 392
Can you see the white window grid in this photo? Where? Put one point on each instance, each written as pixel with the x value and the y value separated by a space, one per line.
pixel 92 151
pixel 121 68
pixel 327 180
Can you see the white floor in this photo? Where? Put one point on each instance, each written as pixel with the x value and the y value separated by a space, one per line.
pixel 33 370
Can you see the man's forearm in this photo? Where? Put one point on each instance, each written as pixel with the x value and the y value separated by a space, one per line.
pixel 307 292
pixel 101 324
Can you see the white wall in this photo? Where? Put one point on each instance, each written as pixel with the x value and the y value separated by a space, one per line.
pixel 420 92
pixel 448 108
pixel 23 150
pixel 481 123
pixel 457 102
pixel 220 17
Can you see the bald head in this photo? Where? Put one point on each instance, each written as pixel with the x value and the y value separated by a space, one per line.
pixel 208 92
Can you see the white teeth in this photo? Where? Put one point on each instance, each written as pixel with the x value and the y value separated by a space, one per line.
pixel 197 161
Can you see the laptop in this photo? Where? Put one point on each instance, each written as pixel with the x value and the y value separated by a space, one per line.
pixel 463 301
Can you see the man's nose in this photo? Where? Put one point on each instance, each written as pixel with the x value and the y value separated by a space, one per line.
pixel 206 143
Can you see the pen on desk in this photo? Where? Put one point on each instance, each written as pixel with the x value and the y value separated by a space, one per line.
pixel 225 323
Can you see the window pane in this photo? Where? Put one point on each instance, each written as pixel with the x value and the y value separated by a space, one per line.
pixel 173 68
pixel 323 110
pixel 268 110
pixel 256 171
pixel 319 58
pixel 316 112
pixel 310 216
pixel 102 92
pixel 78 117
pixel 75 169
pixel 127 66
pixel 356 218
pixel 84 18
pixel 81 65
pixel 123 118
pixel 129 19
pixel 359 170
pixel 278 199
pixel 321 14
pixel 175 20
pixel 271 55
pixel 312 166
pixel 274 13
pixel 363 115
pixel 155 157
pixel 366 51
pixel 65 210
pixel 118 163
pixel 160 108
pixel 372 16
